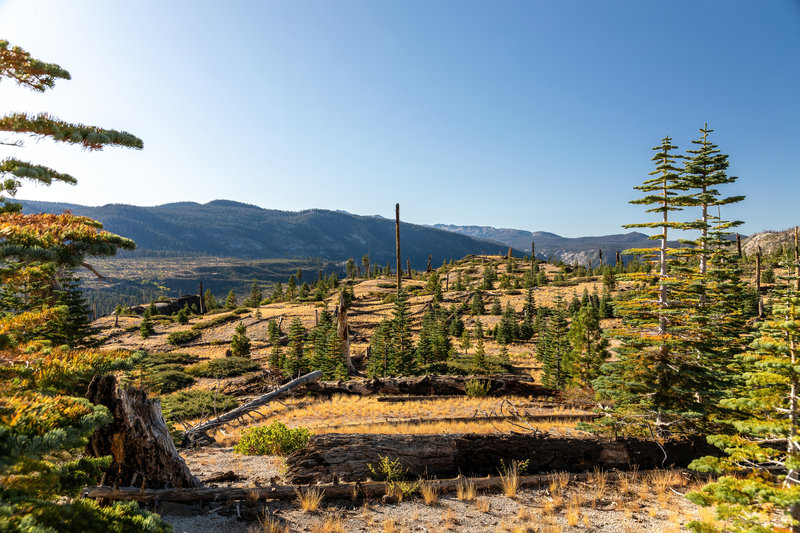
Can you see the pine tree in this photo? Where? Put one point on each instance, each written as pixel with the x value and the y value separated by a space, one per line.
pixel 230 301
pixel 73 325
pixel 382 359
pixel 240 343
pixel 497 309
pixel 507 329
pixel 182 316
pixel 477 308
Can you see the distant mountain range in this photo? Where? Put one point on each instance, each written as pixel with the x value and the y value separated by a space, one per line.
pixel 225 228
pixel 579 250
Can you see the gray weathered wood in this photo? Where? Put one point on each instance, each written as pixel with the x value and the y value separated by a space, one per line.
pixel 242 410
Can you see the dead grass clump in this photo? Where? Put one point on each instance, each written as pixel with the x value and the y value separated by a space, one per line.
pixel 309 498
pixel 389 525
pixel 573 511
pixel 482 504
pixel 430 492
pixel 465 490
pixel 599 481
pixel 332 524
pixel 269 524
pixel 509 477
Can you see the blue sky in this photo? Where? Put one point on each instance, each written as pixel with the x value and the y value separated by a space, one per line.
pixel 533 115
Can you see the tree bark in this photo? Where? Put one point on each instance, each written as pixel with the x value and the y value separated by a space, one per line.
pixel 345 456
pixel 137 440
pixel 343 330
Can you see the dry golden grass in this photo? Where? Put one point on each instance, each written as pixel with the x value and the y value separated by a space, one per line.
pixel 510 479
pixel 465 490
pixel 332 524
pixel 309 498
pixel 430 492
pixel 483 505
pixel 573 511
pixel 599 481
pixel 269 524
pixel 389 525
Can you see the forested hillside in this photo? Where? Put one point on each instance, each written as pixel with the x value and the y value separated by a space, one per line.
pixel 224 228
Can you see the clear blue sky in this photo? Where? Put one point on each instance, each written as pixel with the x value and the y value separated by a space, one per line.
pixel 533 115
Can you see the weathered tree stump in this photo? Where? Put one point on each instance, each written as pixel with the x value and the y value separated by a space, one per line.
pixel 138 440
pixel 345 456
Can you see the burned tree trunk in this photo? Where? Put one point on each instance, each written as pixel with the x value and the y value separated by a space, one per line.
pixel 408 267
pixel 758 284
pixel 428 268
pixel 137 440
pixel 345 456
pixel 397 243
pixel 344 334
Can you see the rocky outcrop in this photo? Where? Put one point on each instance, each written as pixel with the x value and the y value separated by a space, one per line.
pixel 172 305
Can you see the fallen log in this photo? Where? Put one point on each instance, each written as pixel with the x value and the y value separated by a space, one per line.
pixel 330 491
pixel 346 456
pixel 243 410
pixel 138 441
pixel 499 385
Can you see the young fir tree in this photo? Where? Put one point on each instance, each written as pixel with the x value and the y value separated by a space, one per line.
pixel 182 316
pixel 508 328
pixel 704 170
pixel 553 348
pixel 254 299
pixel 497 309
pixel 382 360
pixel 294 362
pixel 73 325
pixel 146 328
pixel 230 301
pixel 477 307
pixel 240 343
pixel 401 336
pixel 760 472
pixel 589 348
pixel 209 300
pixel 479 363
pixel 335 355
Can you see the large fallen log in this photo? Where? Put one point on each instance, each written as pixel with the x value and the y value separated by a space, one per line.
pixel 346 456
pixel 330 491
pixel 527 417
pixel 499 385
pixel 242 410
pixel 138 441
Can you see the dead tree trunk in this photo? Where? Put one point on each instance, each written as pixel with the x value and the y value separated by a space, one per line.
pixel 758 284
pixel 600 253
pixel 428 268
pixel 408 267
pixel 137 440
pixel 343 328
pixel 739 245
pixel 243 410
pixel 202 299
pixel 617 263
pixel 397 243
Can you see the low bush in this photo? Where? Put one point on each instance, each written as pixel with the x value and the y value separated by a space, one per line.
pixel 224 367
pixel 216 321
pixel 167 381
pixel 184 405
pixel 177 338
pixel 275 439
pixel 476 388
pixel 177 358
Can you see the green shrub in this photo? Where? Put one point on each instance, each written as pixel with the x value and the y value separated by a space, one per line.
pixel 175 358
pixel 216 321
pixel 476 388
pixel 167 381
pixel 177 338
pixel 184 405
pixel 275 439
pixel 224 367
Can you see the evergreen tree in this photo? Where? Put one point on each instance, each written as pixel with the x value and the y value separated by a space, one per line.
pixel 339 368
pixel 254 300
pixel 230 301
pixel 508 329
pixel 477 308
pixel 401 336
pixel 760 472
pixel 182 316
pixel 497 309
pixel 277 293
pixel 479 358
pixel 704 170
pixel 146 328
pixel 382 359
pixel 459 285
pixel 292 285
pixel 209 300
pixel 240 343
pixel 466 342
pixel 73 325
pixel 589 348
pixel 553 348
pixel 294 363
